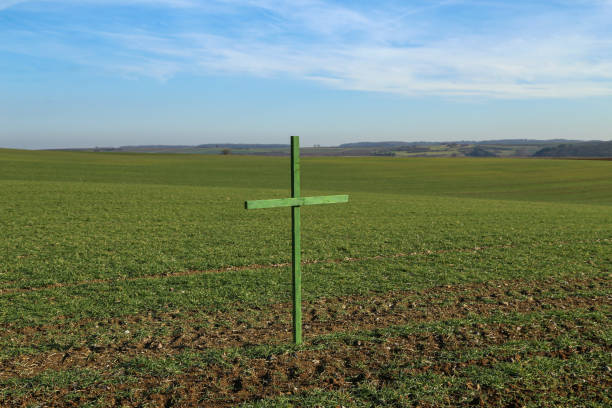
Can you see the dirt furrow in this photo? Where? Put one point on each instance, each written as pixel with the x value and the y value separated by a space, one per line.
pixel 324 316
pixel 342 366
pixel 483 291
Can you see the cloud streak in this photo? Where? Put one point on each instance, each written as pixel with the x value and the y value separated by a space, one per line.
pixel 525 50
pixel 5 4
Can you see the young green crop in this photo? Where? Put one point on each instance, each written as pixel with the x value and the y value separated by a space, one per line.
pixel 89 240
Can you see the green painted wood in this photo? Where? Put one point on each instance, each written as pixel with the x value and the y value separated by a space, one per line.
pixel 296 259
pixel 331 199
pixel 296 269
pixel 295 202
pixel 298 201
pixel 295 166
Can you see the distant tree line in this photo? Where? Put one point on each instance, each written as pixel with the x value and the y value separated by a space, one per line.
pixel 478 151
pixel 587 149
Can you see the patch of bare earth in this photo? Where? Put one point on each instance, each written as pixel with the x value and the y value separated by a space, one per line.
pixel 272 326
pixel 336 368
pixel 344 365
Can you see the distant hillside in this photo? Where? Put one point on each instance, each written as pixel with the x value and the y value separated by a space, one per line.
pixel 518 141
pixel 486 148
pixel 587 149
pixel 374 144
pixel 480 152
pixel 511 142
pixel 147 147
pixel 242 146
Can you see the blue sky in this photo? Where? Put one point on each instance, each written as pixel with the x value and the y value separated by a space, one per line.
pixel 117 72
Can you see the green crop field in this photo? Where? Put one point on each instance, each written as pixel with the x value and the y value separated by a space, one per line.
pixel 141 280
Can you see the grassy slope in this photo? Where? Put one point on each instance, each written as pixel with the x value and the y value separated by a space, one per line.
pixel 69 217
pixel 524 179
pixel 74 216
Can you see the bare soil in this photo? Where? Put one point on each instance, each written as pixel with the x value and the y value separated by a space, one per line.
pixel 323 316
pixel 336 368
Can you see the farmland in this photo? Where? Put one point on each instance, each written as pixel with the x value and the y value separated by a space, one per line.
pixel 491 148
pixel 140 280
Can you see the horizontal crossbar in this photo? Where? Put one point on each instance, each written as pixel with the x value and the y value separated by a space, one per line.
pixel 294 202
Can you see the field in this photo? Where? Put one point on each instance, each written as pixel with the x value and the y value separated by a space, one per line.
pixel 499 148
pixel 140 280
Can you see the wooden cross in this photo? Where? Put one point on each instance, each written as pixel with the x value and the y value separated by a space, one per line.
pixel 295 202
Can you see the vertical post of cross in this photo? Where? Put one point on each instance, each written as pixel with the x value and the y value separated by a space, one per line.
pixel 296 259
pixel 295 202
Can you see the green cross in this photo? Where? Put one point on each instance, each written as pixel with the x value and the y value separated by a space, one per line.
pixel 295 202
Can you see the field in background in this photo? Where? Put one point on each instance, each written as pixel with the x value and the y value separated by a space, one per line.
pixel 140 280
pixel 558 148
pixel 397 149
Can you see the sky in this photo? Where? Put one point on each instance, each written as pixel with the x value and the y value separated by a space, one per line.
pixel 83 73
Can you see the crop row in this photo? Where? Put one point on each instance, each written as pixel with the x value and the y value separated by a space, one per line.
pixel 28 348
pixel 261 287
pixel 70 232
pixel 460 350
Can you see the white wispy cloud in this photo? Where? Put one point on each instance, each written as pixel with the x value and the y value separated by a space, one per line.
pixel 4 4
pixel 534 52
